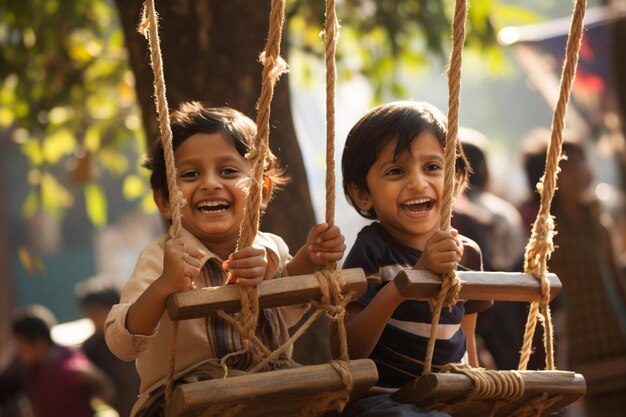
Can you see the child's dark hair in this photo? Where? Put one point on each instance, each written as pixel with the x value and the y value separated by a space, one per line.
pixel 535 149
pixel 97 293
pixel 401 120
pixel 193 117
pixel 34 323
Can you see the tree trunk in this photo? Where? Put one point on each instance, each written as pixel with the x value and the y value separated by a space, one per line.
pixel 210 53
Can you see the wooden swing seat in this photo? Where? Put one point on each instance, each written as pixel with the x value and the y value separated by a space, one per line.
pixel 204 302
pixel 276 393
pixel 446 388
pixel 476 285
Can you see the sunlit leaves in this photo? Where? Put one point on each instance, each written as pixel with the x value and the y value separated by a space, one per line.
pixel 57 145
pixel 134 187
pixel 388 40
pixel 65 88
pixel 96 204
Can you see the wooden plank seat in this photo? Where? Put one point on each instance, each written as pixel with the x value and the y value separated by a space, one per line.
pixel 477 285
pixel 446 388
pixel 203 302
pixel 278 393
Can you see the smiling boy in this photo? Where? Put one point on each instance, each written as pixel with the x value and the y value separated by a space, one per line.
pixel 212 174
pixel 393 172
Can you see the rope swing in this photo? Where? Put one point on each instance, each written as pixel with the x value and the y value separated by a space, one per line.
pixel 332 302
pixel 499 386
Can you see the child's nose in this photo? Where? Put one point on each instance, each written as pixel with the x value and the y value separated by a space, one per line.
pixel 417 181
pixel 211 182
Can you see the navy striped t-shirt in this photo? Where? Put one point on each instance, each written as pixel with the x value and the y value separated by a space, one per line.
pixel 401 349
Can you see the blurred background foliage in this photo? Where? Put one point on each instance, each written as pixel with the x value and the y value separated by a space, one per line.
pixel 68 99
pixel 67 95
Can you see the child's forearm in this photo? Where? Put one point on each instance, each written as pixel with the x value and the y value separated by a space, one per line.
pixel 301 263
pixel 364 327
pixel 468 324
pixel 145 313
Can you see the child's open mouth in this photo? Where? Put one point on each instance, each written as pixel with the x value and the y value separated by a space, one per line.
pixel 419 205
pixel 213 207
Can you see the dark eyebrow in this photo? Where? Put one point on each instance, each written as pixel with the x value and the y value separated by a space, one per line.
pixel 192 160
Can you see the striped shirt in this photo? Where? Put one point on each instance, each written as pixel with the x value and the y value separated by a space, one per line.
pixel 401 348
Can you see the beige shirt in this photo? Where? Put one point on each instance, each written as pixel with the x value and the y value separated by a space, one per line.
pixel 195 346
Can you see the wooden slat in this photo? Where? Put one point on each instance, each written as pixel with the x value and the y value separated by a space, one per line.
pixel 203 302
pixel 445 388
pixel 477 285
pixel 278 393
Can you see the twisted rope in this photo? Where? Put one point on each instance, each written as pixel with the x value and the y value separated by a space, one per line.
pixel 541 245
pixel 148 27
pixel 273 68
pixel 487 385
pixel 450 285
pixel 330 39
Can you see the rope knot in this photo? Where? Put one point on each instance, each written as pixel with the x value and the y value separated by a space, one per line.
pixel 275 67
pixel 252 154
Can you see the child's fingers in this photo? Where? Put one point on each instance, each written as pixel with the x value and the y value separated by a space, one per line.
pixel 248 273
pixel 249 252
pixel 330 233
pixel 317 230
pixel 249 282
pixel 339 248
pixel 325 257
pixel 244 263
pixel 328 244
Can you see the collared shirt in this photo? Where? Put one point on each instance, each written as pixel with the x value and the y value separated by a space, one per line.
pixel 200 342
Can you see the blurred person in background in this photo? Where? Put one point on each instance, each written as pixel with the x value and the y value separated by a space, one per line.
pixel 58 381
pixel 96 297
pixel 593 298
pixel 496 225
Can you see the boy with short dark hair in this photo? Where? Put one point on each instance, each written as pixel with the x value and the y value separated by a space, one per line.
pixel 393 169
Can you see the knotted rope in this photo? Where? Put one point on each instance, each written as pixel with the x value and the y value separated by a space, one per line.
pixel 332 303
pixel 487 385
pixel 148 27
pixel 501 385
pixel 331 30
pixel 541 245
pixel 450 284
pixel 273 68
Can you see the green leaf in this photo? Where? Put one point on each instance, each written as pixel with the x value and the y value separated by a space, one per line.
pixel 96 204
pixel 55 198
pixel 93 136
pixel 7 116
pixel 134 187
pixel 59 144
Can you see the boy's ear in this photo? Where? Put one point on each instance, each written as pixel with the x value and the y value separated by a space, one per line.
pixel 162 203
pixel 360 197
pixel 267 191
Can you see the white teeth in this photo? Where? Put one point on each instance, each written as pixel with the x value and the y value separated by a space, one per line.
pixel 417 201
pixel 212 203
